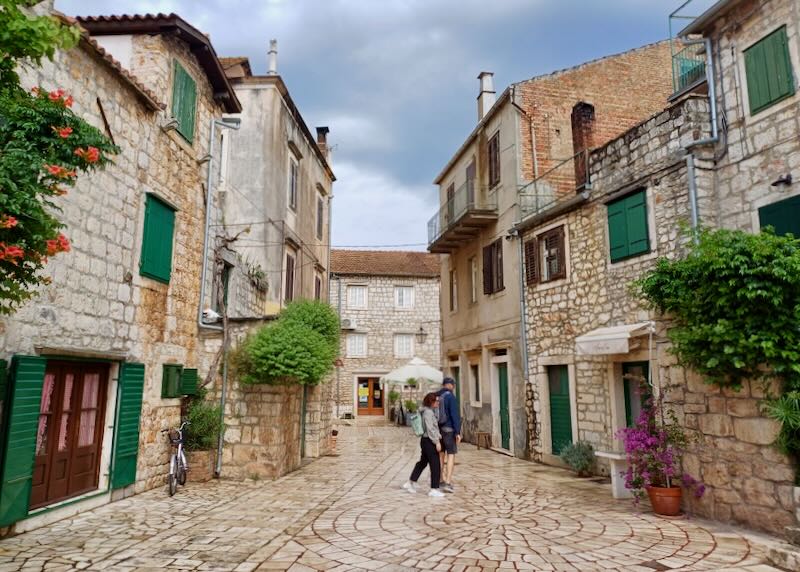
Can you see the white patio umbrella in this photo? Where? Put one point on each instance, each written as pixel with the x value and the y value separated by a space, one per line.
pixel 417 369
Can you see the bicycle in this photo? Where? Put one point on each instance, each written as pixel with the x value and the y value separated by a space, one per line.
pixel 177 461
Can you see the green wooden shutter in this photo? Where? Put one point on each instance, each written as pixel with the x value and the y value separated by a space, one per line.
pixel 184 100
pixel 22 412
pixel 636 222
pixel 768 68
pixel 783 216
pixel 189 382
pixel 159 227
pixel 3 380
pixel 617 230
pixel 129 410
pixel 171 380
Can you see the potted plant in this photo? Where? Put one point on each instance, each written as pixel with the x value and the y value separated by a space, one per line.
pixel 579 456
pixel 394 395
pixel 654 447
pixel 201 436
pixel 410 407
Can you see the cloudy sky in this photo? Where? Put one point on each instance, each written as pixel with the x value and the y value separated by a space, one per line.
pixel 395 80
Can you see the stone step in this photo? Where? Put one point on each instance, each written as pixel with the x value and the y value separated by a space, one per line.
pixel 785 556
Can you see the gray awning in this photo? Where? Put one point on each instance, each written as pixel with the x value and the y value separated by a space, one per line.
pixel 611 340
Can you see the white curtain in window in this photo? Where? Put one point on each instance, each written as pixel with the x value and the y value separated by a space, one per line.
pixel 356 345
pixel 356 296
pixel 404 296
pixel 404 345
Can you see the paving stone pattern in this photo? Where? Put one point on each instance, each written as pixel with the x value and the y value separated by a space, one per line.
pixel 348 513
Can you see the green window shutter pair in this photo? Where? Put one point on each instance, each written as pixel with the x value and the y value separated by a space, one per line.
pixel 769 71
pixel 184 101
pixel 159 227
pixel 783 216
pixel 627 226
pixel 126 440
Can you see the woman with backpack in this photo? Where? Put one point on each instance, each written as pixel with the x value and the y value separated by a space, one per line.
pixel 430 444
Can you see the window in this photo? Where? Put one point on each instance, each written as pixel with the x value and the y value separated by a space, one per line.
pixel 356 296
pixel 473 279
pixel 320 216
pixel 636 389
pixel 184 100
pixel 171 381
pixel 769 71
pixel 627 226
pixel 493 267
pixel 453 290
pixel 356 345
pixel 293 174
pixel 290 271
pixel 475 382
pixel 404 345
pixel 318 287
pixel 783 216
pixel 494 160
pixel 404 297
pixel 159 226
pixel 545 257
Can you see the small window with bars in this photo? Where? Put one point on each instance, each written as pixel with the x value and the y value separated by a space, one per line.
pixel 545 257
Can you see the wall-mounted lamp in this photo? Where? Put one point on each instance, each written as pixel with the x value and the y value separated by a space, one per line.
pixel 783 180
pixel 421 335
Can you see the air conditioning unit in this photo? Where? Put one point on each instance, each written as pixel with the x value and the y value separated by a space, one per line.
pixel 348 324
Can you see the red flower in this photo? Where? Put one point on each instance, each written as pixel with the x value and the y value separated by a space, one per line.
pixel 11 253
pixel 63 132
pixel 60 172
pixel 58 244
pixel 8 221
pixel 68 101
pixel 93 154
pixel 56 95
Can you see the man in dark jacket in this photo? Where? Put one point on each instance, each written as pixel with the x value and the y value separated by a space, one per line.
pixel 450 428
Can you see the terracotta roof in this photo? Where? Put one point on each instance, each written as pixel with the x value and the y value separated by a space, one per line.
pixel 89 44
pixel 173 24
pixel 384 263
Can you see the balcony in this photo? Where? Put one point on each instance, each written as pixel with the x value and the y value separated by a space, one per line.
pixel 461 218
pixel 564 179
pixel 688 68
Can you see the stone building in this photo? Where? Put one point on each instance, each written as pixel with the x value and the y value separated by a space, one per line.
pixel 388 303
pixel 537 130
pixel 591 342
pixel 102 356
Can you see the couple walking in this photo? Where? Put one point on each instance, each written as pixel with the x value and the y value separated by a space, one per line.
pixel 441 424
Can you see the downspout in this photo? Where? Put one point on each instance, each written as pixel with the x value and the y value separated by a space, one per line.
pixel 690 159
pixel 338 368
pixel 328 269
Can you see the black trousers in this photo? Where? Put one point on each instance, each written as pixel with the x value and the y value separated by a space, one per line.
pixel 430 457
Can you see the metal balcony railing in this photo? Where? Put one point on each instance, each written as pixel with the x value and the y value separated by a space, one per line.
pixel 560 182
pixel 688 67
pixel 467 198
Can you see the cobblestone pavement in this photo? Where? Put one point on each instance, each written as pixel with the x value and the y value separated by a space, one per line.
pixel 348 513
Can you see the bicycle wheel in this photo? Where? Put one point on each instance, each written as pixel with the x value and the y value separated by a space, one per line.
pixel 172 483
pixel 181 474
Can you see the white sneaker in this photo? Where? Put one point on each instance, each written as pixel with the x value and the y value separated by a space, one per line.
pixel 410 486
pixel 435 493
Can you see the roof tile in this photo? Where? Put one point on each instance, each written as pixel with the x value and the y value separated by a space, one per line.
pixel 384 263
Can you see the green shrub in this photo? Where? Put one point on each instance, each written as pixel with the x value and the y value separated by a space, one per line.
pixel 410 405
pixel 394 395
pixel 204 427
pixel 579 456
pixel 286 353
pixel 315 314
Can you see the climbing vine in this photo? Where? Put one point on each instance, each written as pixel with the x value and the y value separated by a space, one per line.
pixel 735 300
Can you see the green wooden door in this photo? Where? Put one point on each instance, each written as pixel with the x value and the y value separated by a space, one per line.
pixel 19 446
pixel 505 421
pixel 634 381
pixel 783 216
pixel 129 410
pixel 560 411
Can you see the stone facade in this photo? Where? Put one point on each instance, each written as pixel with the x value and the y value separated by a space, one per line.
pixel 534 121
pixel 379 322
pixel 747 480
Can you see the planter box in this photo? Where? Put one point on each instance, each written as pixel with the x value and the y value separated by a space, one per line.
pixel 201 466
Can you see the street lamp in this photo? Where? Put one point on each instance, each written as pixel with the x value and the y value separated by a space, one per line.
pixel 421 336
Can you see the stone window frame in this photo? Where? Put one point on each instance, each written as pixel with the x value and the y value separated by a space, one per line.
pixel 405 335
pixel 543 386
pixel 538 285
pixel 348 348
pixel 350 305
pixel 404 307
pixel 751 32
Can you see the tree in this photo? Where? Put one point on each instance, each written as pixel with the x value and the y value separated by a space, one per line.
pixel 43 147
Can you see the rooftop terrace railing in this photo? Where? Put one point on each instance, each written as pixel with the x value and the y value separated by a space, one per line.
pixel 465 199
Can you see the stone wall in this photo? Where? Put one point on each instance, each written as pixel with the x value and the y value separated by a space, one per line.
pixel 380 321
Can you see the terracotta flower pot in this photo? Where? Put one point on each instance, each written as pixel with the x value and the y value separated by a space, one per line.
pixel 665 500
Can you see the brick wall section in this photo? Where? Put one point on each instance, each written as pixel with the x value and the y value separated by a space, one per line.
pixel 608 84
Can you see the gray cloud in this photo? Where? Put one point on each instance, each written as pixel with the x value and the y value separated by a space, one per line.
pixel 395 79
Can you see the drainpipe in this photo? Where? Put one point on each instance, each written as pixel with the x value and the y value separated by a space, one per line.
pixel 522 305
pixel 338 368
pixel 690 159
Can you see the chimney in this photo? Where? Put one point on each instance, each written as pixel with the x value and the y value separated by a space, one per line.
pixel 272 58
pixel 322 140
pixel 486 97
